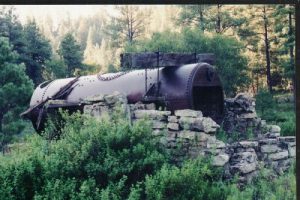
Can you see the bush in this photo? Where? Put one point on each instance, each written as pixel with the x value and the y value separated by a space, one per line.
pixel 91 158
pixel 267 187
pixel 194 180
pixel 264 102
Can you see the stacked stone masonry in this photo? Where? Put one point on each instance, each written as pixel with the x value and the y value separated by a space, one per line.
pixel 188 134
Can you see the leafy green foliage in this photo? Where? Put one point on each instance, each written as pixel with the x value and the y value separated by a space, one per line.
pixel 71 53
pixel 194 180
pixel 264 101
pixel 15 90
pixel 266 186
pixel 92 158
pixel 231 65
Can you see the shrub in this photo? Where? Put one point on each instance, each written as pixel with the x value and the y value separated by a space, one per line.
pixel 194 180
pixel 91 158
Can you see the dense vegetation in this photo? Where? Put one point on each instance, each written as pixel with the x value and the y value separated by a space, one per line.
pixel 114 160
pixel 254 48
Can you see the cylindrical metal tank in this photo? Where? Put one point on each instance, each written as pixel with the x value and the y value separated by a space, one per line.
pixel 193 86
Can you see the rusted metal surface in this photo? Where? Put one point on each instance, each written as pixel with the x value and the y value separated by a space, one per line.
pixel 180 87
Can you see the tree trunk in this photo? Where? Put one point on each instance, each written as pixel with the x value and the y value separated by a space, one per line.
pixel 1 118
pixel 201 18
pixel 218 25
pixel 267 51
pixel 292 55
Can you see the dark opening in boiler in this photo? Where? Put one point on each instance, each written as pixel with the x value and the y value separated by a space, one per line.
pixel 210 101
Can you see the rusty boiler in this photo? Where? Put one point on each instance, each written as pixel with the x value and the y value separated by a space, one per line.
pixel 176 81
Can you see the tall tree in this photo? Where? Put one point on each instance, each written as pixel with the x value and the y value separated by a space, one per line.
pixel 259 38
pixel 38 52
pixel 285 29
pixel 193 15
pixel 11 28
pixel 71 53
pixel 15 92
pixel 130 24
pixel 218 18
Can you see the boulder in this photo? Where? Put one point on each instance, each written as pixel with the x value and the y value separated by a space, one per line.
pixel 209 125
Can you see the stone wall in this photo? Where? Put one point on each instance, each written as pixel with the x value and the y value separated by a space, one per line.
pixel 188 134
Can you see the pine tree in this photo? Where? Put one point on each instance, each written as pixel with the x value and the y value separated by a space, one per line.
pixel 71 53
pixel 15 91
pixel 38 52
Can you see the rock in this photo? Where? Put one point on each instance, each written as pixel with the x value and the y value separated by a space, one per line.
pixel 291 98
pixel 158 124
pixel 187 123
pixel 247 144
pixel 209 125
pixel 173 126
pixel 245 101
pixel 279 155
pixel 217 144
pixel 273 128
pixel 96 110
pixel 272 135
pixel 188 113
pixel 191 135
pixel 137 106
pixel 292 151
pixel 157 133
pixel 113 98
pixel 248 157
pixel 203 137
pixel 287 139
pixel 172 119
pixel 152 114
pixel 272 148
pixel 95 98
pixel 268 141
pixel 220 160
pixel 248 115
pixel 244 168
pixel 150 106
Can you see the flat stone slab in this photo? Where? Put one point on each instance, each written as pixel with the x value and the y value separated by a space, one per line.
pixel 153 114
pixel 279 155
pixel 269 148
pixel 248 144
pixel 188 113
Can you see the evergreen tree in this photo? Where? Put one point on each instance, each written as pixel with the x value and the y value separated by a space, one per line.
pixel 72 54
pixel 129 26
pixel 38 52
pixel 15 91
